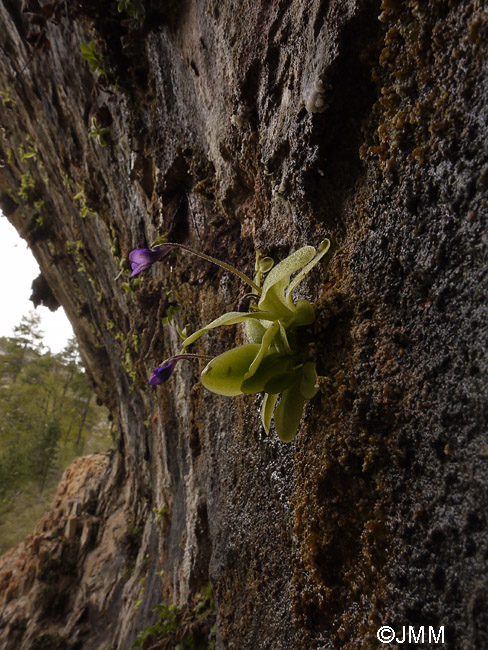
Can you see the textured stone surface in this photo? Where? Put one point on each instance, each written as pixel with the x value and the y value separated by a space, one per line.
pixel 239 126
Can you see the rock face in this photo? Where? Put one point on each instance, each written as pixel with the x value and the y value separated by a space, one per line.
pixel 40 576
pixel 235 127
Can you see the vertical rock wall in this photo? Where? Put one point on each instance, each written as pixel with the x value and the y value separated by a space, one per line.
pixel 235 127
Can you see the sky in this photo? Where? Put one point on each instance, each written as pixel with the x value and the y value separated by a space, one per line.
pixel 19 270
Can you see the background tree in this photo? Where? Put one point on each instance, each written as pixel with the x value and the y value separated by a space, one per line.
pixel 47 417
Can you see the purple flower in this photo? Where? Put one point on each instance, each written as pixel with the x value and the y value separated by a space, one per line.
pixel 142 258
pixel 163 373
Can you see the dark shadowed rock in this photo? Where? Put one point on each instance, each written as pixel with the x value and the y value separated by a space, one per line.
pixel 42 294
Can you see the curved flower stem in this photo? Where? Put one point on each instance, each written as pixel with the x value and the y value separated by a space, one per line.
pixel 178 357
pixel 225 266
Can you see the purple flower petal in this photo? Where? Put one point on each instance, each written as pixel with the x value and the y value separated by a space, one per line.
pixel 163 373
pixel 142 258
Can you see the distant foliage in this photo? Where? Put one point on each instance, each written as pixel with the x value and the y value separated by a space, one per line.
pixel 48 415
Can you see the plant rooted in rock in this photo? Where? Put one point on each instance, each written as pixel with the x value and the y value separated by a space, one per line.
pixel 134 8
pixel 99 132
pixel 94 58
pixel 183 628
pixel 274 361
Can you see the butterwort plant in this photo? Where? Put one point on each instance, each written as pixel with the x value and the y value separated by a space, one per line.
pixel 274 361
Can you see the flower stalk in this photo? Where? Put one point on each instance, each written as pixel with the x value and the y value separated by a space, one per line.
pixel 214 260
pixel 142 258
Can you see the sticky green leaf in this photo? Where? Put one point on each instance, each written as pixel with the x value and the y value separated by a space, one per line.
pixel 231 318
pixel 288 414
pixel 271 366
pixel 307 383
pixel 304 314
pixel 323 248
pixel 263 348
pixel 265 264
pixel 284 340
pixel 279 383
pixel 262 266
pixel 272 296
pixel 255 331
pixel 267 408
pixel 225 374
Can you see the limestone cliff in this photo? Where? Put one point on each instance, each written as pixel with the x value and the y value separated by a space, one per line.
pixel 235 127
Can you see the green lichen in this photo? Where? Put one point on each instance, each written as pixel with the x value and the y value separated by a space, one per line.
pixel 27 186
pixel 172 309
pixel 134 8
pixel 28 150
pixel 140 598
pixel 95 59
pixel 6 98
pixel 132 283
pixel 85 208
pixel 128 363
pixel 182 628
pixel 100 133
pixel 76 249
pixel 161 514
